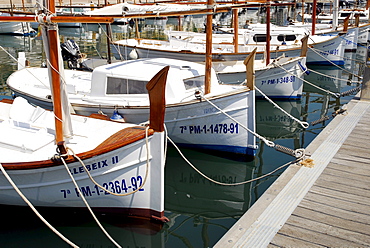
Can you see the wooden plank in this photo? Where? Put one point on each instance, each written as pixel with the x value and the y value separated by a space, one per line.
pixel 338 212
pixel 349 166
pixel 347 181
pixel 345 196
pixel 361 159
pixel 339 203
pixel 331 168
pixel 315 237
pixel 353 149
pixel 338 186
pixel 281 240
pixel 333 221
pixel 346 177
pixel 343 175
pixel 334 233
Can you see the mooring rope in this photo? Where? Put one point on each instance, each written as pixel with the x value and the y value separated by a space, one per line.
pixel 302 123
pixel 336 78
pixel 336 95
pixel 86 203
pixel 239 183
pixel 110 192
pixel 34 209
pixel 295 153
pixel 318 53
pixel 267 142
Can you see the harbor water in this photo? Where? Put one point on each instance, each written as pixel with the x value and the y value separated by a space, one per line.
pixel 200 211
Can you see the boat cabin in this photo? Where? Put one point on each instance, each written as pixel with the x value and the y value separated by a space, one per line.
pixel 129 79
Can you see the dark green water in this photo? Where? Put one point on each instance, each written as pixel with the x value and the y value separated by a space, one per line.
pixel 200 212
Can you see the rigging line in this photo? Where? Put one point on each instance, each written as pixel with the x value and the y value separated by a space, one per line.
pixel 336 95
pixel 85 201
pixel 302 123
pixel 233 184
pixel 41 5
pixel 336 78
pixel 315 51
pixel 33 208
pixel 13 58
pixel 116 47
pixel 93 43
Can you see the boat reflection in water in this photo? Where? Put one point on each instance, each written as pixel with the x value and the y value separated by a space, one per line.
pixel 324 77
pixel 194 202
pixel 274 124
pixel 77 226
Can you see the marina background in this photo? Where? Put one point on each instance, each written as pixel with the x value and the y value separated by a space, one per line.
pixel 200 212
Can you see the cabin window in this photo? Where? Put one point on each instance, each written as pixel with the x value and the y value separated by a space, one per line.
pixel 289 37
pixel 260 38
pixel 195 82
pixel 125 86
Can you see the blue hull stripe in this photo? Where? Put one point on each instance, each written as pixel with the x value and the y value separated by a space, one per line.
pixel 340 62
pixel 222 148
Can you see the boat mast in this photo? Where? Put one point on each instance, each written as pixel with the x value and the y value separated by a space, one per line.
pixel 207 78
pixel 53 42
pixel 335 15
pixel 268 20
pixel 236 28
pixel 314 6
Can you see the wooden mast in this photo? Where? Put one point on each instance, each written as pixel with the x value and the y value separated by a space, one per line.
pixel 314 6
pixel 55 76
pixel 236 29
pixel 109 37
pixel 207 78
pixel 268 20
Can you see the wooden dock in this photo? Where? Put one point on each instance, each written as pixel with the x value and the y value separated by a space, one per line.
pixel 324 206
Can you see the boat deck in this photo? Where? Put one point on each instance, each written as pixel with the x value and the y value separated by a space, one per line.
pixel 324 206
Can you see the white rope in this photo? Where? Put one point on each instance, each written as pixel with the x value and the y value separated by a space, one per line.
pixel 232 184
pixel 302 123
pixel 87 204
pixel 336 78
pixel 267 142
pixel 318 53
pixel 336 95
pixel 33 208
pixel 110 192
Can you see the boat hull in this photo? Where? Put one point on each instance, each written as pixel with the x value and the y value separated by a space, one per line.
pixel 119 169
pixel 195 124
pixel 325 53
pixel 282 81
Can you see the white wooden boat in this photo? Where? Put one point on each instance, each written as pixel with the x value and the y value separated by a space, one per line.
pixel 281 79
pixel 328 50
pixel 54 158
pixel 190 120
